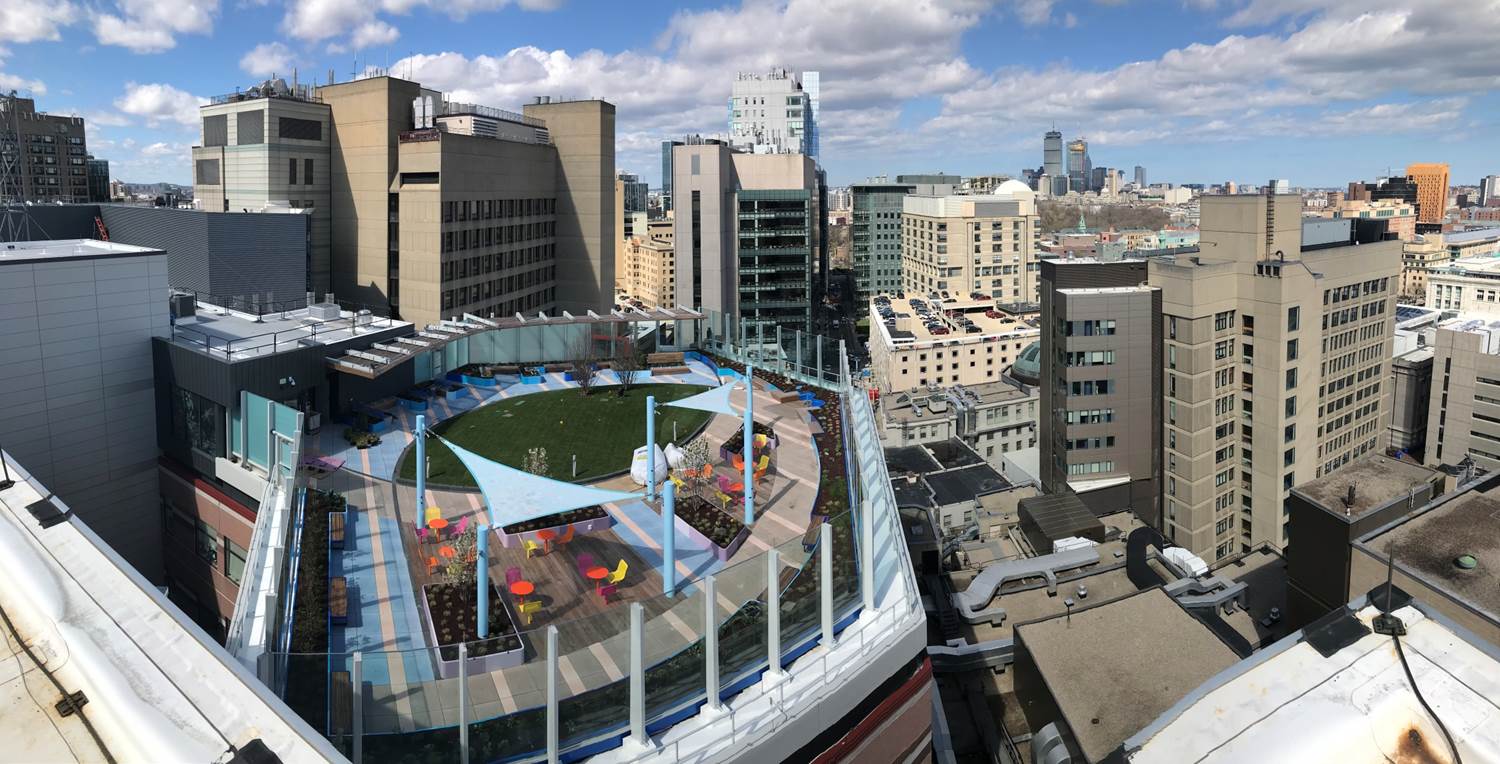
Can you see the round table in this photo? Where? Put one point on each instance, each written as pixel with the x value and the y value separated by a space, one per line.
pixel 437 523
pixel 546 535
pixel 521 589
pixel 597 574
pixel 447 552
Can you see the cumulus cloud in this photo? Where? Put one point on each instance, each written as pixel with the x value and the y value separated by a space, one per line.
pixel 162 149
pixel 151 26
pixel 158 103
pixel 361 24
pixel 266 59
pixel 23 21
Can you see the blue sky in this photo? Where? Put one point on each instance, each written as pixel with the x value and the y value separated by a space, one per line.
pixel 1316 91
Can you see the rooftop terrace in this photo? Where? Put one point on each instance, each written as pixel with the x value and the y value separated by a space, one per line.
pixel 908 321
pixel 234 335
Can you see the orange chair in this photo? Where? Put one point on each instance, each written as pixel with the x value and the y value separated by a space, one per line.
pixel 566 537
pixel 432 563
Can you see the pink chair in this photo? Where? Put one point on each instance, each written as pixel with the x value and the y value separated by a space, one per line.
pixel 606 591
pixel 585 563
pixel 463 525
pixel 421 535
pixel 512 575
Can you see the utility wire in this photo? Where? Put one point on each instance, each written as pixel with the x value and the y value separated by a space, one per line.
pixel 1443 728
pixel 77 709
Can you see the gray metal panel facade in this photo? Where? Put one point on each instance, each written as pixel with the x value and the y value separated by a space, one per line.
pixel 221 253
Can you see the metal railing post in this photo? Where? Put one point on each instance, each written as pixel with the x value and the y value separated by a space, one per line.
pixel 552 695
pixel 711 641
pixel 356 679
pixel 773 611
pixel 825 581
pixel 638 674
pixel 463 702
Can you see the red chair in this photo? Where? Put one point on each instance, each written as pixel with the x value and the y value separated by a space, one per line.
pixel 606 591
pixel 585 563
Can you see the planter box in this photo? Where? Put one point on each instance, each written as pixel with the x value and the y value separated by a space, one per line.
pixel 722 553
pixel 383 424
pixel 475 381
pixel 457 391
pixel 584 526
pixel 537 380
pixel 449 669
pixel 410 405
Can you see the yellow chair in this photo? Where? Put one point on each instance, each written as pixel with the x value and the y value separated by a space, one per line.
pixel 679 483
pixel 529 609
pixel 723 498
pixel 619 573
pixel 763 463
pixel 531 547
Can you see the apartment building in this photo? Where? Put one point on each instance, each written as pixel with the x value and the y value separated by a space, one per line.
pixel 916 342
pixel 875 238
pixel 1401 215
pixel 1431 179
pixel 1465 284
pixel 1101 385
pixel 775 112
pixel 1419 257
pixel 750 235
pixel 1463 414
pixel 964 245
pixel 46 155
pixel 993 418
pixel 1277 345
pixel 648 267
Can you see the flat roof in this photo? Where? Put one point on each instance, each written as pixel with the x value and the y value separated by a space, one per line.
pixel 1028 601
pixel 1114 668
pixel 1429 542
pixel 915 460
pixel 1377 480
pixel 234 336
pixel 902 406
pixel 1263 572
pixel 68 249
pixel 1465 237
pixel 965 483
pixel 911 326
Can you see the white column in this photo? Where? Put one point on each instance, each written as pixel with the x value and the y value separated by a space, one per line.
pixel 356 679
pixel 463 703
pixel 773 613
pixel 638 675
pixel 711 641
pixel 552 695
pixel 825 581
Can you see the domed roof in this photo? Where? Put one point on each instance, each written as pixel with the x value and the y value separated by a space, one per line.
pixel 1014 187
pixel 1028 365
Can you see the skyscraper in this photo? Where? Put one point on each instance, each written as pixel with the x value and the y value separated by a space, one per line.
pixel 812 86
pixel 1052 162
pixel 876 238
pixel 1432 190
pixel 774 113
pixel 666 174
pixel 1140 176
pixel 1489 190
pixel 1080 169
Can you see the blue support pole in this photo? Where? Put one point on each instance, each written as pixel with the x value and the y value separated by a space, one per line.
pixel 668 538
pixel 749 444
pixel 422 470
pixel 651 447
pixel 482 578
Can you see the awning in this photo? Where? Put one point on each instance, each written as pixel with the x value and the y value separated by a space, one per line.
pixel 515 496
pixel 714 400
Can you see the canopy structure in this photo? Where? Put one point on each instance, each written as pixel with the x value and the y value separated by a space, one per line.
pixel 515 496
pixel 714 400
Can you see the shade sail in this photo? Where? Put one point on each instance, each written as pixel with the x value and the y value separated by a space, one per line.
pixel 714 400
pixel 515 496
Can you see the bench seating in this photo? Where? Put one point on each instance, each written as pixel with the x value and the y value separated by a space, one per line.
pixel 666 370
pixel 336 530
pixel 787 396
pixel 341 701
pixel 664 359
pixel 338 599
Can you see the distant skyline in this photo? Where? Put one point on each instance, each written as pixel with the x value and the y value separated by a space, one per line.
pixel 1197 91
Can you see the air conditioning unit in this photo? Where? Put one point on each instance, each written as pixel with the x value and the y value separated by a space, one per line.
pixel 324 311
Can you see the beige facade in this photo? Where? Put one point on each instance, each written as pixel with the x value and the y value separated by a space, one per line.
pixel 994 418
pixel 911 352
pixel 649 271
pixel 1402 217
pixel 267 154
pixel 1418 257
pixel 957 246
pixel 1463 416
pixel 438 222
pixel 1276 368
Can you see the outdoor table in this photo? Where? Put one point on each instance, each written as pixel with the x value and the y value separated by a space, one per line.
pixel 447 552
pixel 546 535
pixel 598 574
pixel 521 589
pixel 437 523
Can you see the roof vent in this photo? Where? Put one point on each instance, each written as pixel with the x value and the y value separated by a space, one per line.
pixel 1466 562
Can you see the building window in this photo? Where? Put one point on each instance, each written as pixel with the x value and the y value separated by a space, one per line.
pixel 198 421
pixel 1291 406
pixel 1291 350
pixel 307 172
pixel 291 172
pixel 1291 378
pixel 1293 318
pixel 208 543
pixel 234 561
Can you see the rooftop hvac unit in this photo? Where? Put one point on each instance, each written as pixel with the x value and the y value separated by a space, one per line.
pixel 182 305
pixel 323 311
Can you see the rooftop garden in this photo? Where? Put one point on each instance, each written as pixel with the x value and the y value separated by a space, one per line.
pixel 602 428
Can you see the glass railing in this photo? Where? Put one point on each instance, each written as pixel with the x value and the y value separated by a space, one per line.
pixel 426 703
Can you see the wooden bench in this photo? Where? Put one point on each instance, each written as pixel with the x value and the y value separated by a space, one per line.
pixel 336 530
pixel 664 359
pixel 506 369
pixel 666 370
pixel 814 532
pixel 338 599
pixel 786 396
pixel 341 702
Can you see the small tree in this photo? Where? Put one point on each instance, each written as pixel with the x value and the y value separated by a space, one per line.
pixel 583 362
pixel 695 458
pixel 461 566
pixel 536 461
pixel 628 362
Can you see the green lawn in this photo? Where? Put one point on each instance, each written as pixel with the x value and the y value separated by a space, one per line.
pixel 603 429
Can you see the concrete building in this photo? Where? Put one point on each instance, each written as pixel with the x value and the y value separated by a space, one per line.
pixel 1466 284
pixel 1489 191
pixel 266 149
pixel 98 175
pixel 77 325
pixel 993 418
pixel 774 113
pixel 43 157
pixel 749 233
pixel 961 246
pixel 1401 216
pixel 631 191
pixel 1463 417
pixel 916 342
pixel 1411 378
pixel 1260 396
pixel 1101 385
pixel 876 237
pixel 1140 176
pixel 649 267
pixel 1419 257
pixel 1431 179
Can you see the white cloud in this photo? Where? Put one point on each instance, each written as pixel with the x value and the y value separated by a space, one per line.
pixel 24 21
pixel 159 103
pixel 371 34
pixel 266 59
pixel 151 26
pixel 1034 12
pixel 360 22
pixel 162 149
pixel 9 82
